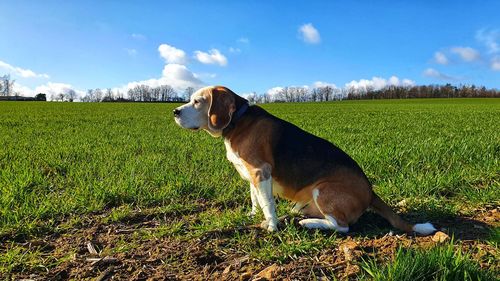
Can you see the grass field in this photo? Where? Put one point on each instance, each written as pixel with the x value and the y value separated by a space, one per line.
pixel 161 201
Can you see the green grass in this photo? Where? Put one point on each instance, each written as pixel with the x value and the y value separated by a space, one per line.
pixel 440 263
pixel 62 161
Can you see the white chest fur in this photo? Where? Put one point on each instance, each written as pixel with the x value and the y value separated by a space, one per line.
pixel 234 158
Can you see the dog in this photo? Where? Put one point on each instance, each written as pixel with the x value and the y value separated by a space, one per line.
pixel 280 159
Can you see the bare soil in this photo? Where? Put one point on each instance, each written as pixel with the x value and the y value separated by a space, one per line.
pixel 207 257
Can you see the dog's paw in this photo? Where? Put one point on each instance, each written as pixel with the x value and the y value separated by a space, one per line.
pixel 270 226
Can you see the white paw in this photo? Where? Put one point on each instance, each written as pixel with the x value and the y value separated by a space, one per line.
pixel 270 226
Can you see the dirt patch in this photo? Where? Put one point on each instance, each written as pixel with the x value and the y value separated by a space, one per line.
pixel 120 253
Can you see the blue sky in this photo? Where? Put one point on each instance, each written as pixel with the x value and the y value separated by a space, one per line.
pixel 248 46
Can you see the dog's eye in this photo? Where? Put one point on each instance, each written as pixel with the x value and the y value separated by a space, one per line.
pixel 196 102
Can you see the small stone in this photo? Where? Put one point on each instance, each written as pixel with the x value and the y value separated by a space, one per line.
pixel 270 272
pixel 440 237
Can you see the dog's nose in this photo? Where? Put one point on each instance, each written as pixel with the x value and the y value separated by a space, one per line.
pixel 177 112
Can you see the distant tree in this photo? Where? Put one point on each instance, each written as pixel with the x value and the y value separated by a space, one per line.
pixel 187 93
pixel 131 94
pixel 90 96
pixel 166 93
pixel 119 95
pixel 41 97
pixel 6 86
pixel 97 95
pixel 252 98
pixel 70 95
pixel 108 95
pixel 155 94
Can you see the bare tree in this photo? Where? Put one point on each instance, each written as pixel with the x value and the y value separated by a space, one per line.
pixel 140 93
pixel 108 95
pixel 131 94
pixel 97 95
pixel 155 94
pixel 252 98
pixel 119 95
pixel 166 92
pixel 6 86
pixel 70 95
pixel 90 96
pixel 187 93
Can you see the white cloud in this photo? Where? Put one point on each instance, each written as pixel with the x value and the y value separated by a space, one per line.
pixel 408 82
pixel 234 50
pixel 431 72
pixel 172 54
pixel 244 40
pixel 213 56
pixel 50 89
pixel 25 73
pixel 495 64
pixel 177 76
pixel 53 89
pixel 131 52
pixel 490 39
pixel 309 34
pixel 205 75
pixel 319 84
pixel 378 83
pixel 466 53
pixel 22 90
pixel 440 58
pixel 138 36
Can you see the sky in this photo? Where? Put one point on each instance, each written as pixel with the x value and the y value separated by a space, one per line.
pixel 248 46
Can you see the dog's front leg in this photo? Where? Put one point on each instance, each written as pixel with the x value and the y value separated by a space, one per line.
pixel 266 201
pixel 255 200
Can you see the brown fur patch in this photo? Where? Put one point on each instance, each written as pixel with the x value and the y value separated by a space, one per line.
pixel 221 109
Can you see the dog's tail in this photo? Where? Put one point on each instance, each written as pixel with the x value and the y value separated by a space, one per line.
pixel 381 208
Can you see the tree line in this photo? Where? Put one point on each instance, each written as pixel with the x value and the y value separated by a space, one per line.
pixel 425 91
pixel 329 93
pixel 166 93
pixel 139 93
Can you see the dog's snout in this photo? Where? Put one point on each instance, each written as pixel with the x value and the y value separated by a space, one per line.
pixel 177 112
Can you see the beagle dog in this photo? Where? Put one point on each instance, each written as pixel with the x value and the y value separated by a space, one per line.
pixel 280 159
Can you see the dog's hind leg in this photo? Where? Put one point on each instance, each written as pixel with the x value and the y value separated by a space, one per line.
pixel 328 222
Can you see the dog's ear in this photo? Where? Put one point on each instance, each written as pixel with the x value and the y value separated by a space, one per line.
pixel 222 107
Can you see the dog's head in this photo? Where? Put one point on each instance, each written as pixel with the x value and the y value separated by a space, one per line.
pixel 210 108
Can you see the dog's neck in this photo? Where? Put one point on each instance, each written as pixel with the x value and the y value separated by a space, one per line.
pixel 240 112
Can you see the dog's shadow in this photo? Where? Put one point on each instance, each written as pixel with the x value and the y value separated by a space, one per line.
pixel 459 226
